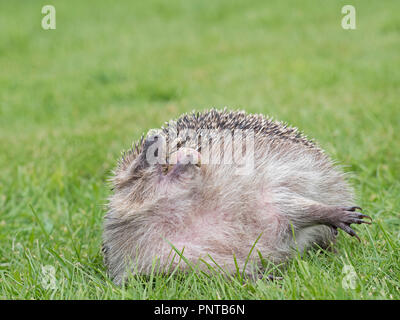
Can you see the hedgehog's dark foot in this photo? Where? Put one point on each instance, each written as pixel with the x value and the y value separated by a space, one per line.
pixel 260 276
pixel 343 217
pixel 271 277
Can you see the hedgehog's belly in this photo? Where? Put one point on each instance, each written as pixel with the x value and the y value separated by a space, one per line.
pixel 223 237
pixel 203 234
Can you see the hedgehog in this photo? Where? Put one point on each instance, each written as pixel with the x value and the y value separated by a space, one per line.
pixel 223 190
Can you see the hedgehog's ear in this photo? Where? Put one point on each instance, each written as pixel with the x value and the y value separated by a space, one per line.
pixel 152 154
pixel 153 151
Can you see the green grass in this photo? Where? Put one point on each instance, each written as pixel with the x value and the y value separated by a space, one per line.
pixel 72 98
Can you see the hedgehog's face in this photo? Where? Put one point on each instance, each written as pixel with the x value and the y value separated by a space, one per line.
pixel 153 175
pixel 177 178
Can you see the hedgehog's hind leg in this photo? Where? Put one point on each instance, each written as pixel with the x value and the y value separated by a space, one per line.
pixel 309 213
pixel 339 217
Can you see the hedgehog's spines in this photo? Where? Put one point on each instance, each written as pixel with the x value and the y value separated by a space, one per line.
pixel 224 119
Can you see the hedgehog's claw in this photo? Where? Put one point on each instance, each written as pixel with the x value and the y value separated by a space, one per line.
pixel 352 208
pixel 349 230
pixel 348 216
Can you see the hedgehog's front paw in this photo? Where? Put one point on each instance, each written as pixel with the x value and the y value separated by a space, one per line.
pixel 345 216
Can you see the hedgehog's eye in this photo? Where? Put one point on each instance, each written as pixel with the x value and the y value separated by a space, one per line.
pixel 166 168
pixel 185 156
pixel 180 160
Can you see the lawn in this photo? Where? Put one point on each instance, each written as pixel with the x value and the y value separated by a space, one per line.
pixel 71 99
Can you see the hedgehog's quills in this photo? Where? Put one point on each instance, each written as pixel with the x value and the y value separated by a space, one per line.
pixel 290 197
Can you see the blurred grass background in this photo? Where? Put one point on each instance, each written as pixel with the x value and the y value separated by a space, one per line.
pixel 72 98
